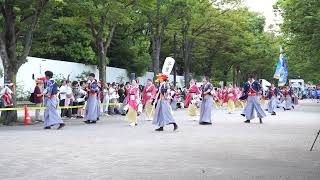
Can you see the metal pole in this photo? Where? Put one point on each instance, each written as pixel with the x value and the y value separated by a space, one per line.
pixel 315 140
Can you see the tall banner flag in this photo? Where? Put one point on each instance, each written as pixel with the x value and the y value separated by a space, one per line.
pixel 281 70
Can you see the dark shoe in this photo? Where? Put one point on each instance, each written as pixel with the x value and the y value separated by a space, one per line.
pixel 175 126
pixel 292 107
pixel 136 124
pixel 48 127
pixel 247 121
pixel 260 120
pixel 273 113
pixel 159 129
pixel 284 109
pixel 61 126
pixel 266 109
pixel 204 123
pixel 93 122
pixel 243 115
pixel 87 122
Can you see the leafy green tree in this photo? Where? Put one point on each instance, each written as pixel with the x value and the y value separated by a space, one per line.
pixel 19 20
pixel 101 17
pixel 62 40
pixel 301 36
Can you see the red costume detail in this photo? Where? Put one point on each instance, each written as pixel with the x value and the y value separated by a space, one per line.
pixel 148 93
pixel 193 89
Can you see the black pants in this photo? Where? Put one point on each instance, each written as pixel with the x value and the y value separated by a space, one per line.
pixel 65 112
pixel 75 110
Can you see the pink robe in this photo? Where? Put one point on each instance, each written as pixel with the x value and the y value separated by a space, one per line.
pixel 219 95
pixel 133 95
pixel 232 94
pixel 192 89
pixel 149 92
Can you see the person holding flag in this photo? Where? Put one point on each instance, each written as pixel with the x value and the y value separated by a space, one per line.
pixel 163 115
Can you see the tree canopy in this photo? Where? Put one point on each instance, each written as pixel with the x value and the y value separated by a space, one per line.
pixel 220 38
pixel 301 37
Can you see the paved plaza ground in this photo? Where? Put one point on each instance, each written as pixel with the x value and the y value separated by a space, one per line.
pixel 110 149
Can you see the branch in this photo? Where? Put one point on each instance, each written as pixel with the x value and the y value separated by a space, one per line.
pixel 107 44
pixel 92 27
pixel 199 27
pixel 3 52
pixel 103 20
pixel 134 32
pixel 24 18
pixel 3 11
pixel 130 3
pixel 204 30
pixel 29 35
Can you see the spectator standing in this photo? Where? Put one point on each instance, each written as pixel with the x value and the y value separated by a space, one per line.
pixel 38 99
pixel 82 98
pixel 62 96
pixel 113 97
pixel 76 96
pixel 68 100
pixel 106 98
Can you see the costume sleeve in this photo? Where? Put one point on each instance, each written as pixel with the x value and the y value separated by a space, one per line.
pixel 49 88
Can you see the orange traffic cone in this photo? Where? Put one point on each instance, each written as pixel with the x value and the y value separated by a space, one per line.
pixel 27 119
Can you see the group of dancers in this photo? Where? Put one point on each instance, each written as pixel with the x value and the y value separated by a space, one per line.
pixel 156 98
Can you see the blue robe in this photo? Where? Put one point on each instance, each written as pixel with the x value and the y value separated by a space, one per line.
pixel 288 100
pixel 162 115
pixel 253 103
pixel 51 114
pixel 92 107
pixel 272 104
pixel 206 105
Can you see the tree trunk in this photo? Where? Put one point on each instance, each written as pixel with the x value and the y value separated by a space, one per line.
pixel 174 56
pixel 8 46
pixel 10 72
pixel 156 42
pixel 156 47
pixel 186 65
pixel 187 55
pixel 233 76
pixel 9 59
pixel 225 77
pixel 102 65
pixel 238 75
